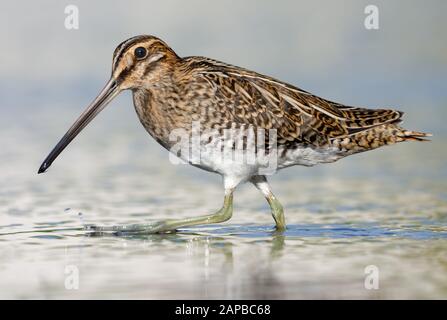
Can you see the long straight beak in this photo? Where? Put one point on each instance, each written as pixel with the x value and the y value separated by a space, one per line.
pixel 105 96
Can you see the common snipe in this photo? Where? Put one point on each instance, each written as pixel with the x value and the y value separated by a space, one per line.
pixel 172 93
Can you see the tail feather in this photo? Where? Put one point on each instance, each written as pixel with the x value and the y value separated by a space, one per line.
pixel 408 135
pixel 376 137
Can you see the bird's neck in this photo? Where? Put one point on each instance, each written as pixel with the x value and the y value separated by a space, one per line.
pixel 161 110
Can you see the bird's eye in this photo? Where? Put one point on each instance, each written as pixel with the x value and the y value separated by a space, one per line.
pixel 140 52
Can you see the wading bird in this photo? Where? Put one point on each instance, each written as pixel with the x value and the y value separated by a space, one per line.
pixel 170 92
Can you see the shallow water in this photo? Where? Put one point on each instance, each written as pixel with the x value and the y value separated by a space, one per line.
pixel 386 208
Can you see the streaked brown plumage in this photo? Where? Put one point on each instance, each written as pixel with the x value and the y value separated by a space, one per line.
pixel 171 93
pixel 219 94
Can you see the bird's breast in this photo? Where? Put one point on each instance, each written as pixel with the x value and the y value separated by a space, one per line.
pixel 159 114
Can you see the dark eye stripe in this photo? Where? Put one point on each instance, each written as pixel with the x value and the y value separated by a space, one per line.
pixel 123 46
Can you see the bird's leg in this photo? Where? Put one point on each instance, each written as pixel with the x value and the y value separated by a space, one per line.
pixel 169 225
pixel 261 183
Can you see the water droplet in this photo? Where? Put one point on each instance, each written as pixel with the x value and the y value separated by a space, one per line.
pixel 81 217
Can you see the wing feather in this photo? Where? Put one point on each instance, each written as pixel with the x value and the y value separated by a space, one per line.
pixel 298 115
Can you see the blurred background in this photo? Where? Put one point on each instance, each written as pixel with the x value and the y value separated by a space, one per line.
pixel 387 207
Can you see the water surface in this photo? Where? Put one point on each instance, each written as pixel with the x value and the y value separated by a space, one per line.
pixel 386 208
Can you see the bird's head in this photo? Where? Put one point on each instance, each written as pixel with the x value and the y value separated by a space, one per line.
pixel 141 62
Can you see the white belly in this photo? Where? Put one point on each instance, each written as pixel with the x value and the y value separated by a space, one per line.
pixel 308 156
pixel 240 159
